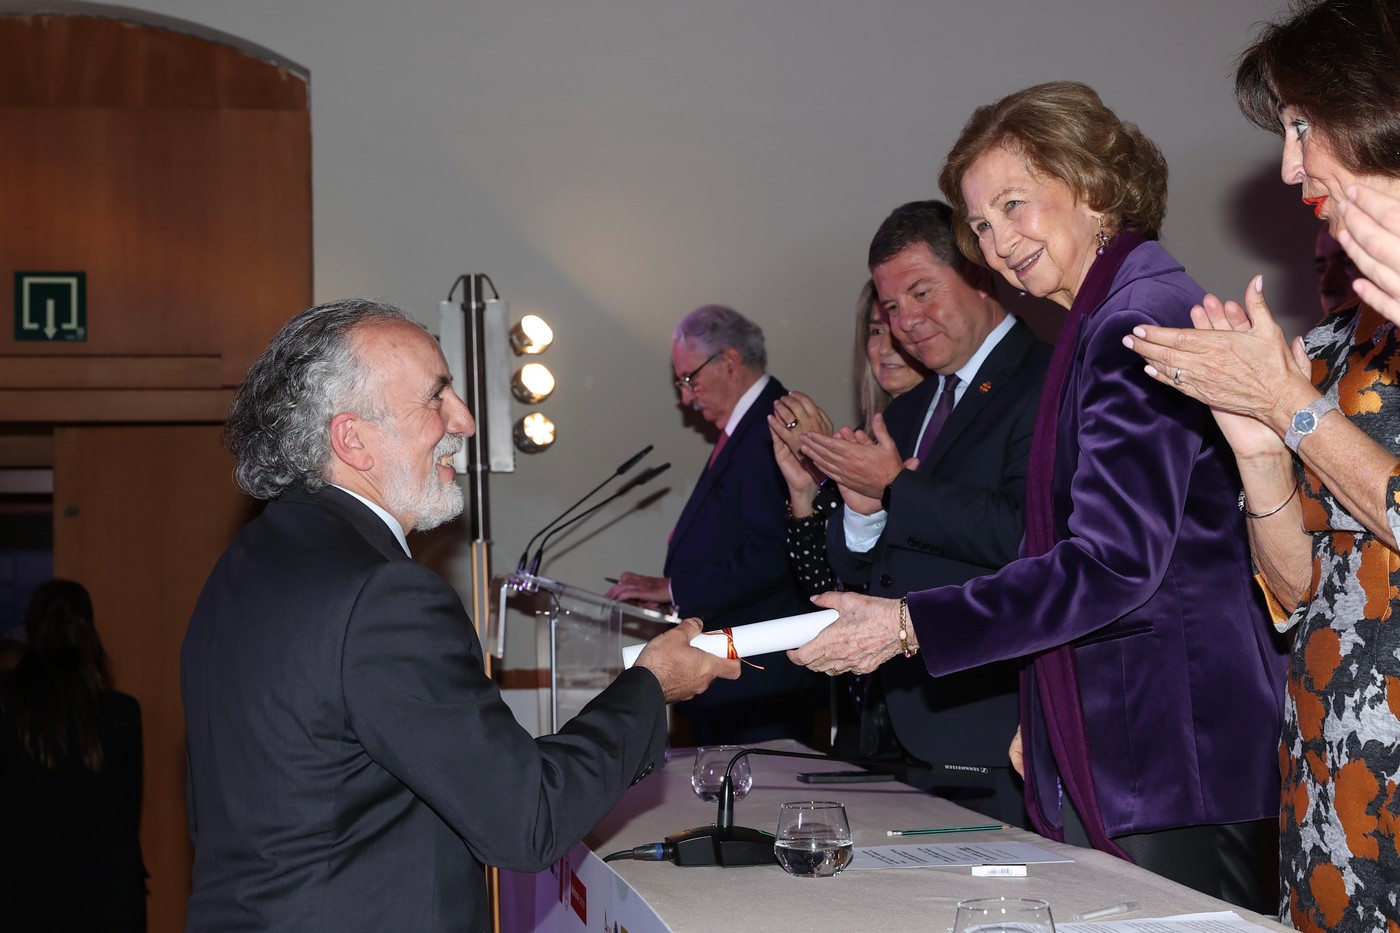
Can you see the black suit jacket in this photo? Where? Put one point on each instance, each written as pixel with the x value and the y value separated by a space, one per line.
pixel 728 564
pixel 351 766
pixel 960 515
pixel 727 558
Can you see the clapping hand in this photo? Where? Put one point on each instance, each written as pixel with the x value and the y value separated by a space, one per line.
pixel 1370 233
pixel 860 462
pixel 1236 360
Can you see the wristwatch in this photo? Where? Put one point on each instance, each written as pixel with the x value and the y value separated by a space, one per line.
pixel 1305 421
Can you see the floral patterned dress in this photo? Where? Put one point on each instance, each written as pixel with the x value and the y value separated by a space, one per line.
pixel 1340 751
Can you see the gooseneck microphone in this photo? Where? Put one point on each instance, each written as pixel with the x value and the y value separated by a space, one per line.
pixel 727 844
pixel 628 464
pixel 730 845
pixel 644 477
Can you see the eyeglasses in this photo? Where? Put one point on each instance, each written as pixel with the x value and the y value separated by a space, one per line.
pixel 684 382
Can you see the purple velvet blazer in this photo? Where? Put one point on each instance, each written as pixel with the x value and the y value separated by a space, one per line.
pixel 1180 674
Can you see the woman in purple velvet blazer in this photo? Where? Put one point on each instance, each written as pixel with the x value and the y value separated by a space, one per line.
pixel 1153 682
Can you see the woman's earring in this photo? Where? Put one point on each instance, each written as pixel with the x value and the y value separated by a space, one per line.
pixel 1103 238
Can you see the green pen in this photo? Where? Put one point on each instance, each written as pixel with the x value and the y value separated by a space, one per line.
pixel 944 829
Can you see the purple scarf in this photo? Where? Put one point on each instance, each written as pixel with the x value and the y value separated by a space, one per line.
pixel 1056 681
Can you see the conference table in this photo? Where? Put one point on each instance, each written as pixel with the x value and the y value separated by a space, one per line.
pixel 582 892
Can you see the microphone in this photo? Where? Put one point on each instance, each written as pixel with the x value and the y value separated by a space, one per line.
pixel 732 846
pixel 644 477
pixel 724 843
pixel 628 464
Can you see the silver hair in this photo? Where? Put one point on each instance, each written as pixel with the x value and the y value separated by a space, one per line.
pixel 712 328
pixel 278 427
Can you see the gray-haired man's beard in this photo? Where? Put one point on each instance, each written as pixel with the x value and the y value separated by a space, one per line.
pixel 432 501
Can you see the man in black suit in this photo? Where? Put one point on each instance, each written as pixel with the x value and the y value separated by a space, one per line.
pixel 727 559
pixel 955 509
pixel 351 766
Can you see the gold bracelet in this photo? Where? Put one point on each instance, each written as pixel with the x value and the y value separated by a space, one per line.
pixel 904 646
pixel 1275 510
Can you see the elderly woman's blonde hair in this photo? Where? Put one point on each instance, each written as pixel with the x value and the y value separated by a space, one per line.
pixel 1063 130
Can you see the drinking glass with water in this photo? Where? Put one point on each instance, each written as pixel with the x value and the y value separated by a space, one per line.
pixel 813 838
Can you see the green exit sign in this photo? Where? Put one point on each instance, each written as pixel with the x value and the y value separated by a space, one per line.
pixel 51 306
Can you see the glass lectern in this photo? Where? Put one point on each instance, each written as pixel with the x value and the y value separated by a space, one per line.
pixel 586 632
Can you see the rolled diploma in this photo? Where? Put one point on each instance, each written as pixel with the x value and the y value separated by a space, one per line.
pixel 755 638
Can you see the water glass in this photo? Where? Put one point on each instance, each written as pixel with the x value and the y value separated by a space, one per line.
pixel 1004 915
pixel 813 838
pixel 707 777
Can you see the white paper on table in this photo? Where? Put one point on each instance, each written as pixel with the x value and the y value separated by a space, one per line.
pixel 1221 921
pixel 755 638
pixel 951 855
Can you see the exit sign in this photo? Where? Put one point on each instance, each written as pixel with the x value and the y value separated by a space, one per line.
pixel 51 306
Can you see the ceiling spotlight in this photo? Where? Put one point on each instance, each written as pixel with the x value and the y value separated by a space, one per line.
pixel 534 432
pixel 532 383
pixel 532 335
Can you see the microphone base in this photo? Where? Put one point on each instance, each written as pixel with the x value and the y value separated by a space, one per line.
pixel 732 847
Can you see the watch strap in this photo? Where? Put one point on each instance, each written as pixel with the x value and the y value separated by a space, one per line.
pixel 1295 434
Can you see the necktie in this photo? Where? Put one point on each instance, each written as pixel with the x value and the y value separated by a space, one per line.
pixel 941 410
pixel 719 445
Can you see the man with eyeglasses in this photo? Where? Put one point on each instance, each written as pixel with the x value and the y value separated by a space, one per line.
pixel 727 559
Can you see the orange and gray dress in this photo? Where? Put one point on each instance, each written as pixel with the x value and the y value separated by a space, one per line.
pixel 1340 749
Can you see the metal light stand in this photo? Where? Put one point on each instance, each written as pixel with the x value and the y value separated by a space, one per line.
pixel 474 339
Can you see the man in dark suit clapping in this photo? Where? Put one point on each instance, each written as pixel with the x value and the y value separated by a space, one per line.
pixel 956 509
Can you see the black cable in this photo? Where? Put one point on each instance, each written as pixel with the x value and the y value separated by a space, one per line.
pixel 652 852
pixel 459 281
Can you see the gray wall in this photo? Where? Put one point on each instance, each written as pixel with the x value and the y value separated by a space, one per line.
pixel 613 163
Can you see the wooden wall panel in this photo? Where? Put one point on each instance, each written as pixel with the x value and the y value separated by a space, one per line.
pixel 194 227
pixel 140 516
pixel 54 60
pixel 173 166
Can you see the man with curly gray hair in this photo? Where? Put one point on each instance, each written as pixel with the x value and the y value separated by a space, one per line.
pixel 351 765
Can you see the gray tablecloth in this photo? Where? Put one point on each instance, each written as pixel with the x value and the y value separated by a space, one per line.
pixel 765 898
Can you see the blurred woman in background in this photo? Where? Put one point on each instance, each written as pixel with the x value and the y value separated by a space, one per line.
pixel 70 773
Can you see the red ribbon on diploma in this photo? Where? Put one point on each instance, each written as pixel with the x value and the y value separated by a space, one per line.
pixel 732 653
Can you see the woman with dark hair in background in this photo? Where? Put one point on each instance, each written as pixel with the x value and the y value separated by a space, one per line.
pixel 1316 433
pixel 70 776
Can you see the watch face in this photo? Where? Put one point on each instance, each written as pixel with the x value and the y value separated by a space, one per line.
pixel 1304 422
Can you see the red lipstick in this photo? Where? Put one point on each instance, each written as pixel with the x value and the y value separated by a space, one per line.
pixel 1316 204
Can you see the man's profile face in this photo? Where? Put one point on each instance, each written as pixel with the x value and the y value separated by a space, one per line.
pixel 1335 272
pixel 425 423
pixel 939 318
pixel 712 388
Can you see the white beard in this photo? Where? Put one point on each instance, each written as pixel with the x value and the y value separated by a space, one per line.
pixel 425 496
